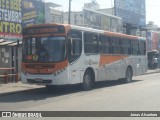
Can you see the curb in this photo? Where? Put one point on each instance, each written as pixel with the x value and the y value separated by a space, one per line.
pixel 13 92
pixel 158 71
pixel 20 91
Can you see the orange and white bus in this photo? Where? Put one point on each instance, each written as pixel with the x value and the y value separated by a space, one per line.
pixel 62 54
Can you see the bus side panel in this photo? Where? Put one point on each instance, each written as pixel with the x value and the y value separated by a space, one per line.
pixel 131 61
pixel 140 65
pixel 143 64
pixel 78 68
pixel 112 67
pixel 108 72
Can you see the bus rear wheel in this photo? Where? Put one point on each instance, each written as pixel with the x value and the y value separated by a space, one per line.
pixel 88 81
pixel 129 75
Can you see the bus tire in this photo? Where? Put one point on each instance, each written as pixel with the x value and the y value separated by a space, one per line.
pixel 129 75
pixel 88 80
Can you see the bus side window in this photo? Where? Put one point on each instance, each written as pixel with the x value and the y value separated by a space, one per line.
pixel 145 48
pixel 90 43
pixel 120 45
pixel 74 45
pixel 134 47
pixel 125 47
pixel 142 48
pixel 104 44
pixel 116 44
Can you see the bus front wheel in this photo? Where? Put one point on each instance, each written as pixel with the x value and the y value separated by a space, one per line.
pixel 88 80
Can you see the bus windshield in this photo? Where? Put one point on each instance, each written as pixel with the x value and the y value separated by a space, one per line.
pixel 44 49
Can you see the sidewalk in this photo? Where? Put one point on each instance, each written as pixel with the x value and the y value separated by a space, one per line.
pixel 152 71
pixel 12 88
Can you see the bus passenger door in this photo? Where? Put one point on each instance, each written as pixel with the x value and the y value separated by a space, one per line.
pixel 74 53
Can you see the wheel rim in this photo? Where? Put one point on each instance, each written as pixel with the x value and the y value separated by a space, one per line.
pixel 87 80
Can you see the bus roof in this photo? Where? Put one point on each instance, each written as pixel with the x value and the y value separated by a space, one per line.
pixel 108 33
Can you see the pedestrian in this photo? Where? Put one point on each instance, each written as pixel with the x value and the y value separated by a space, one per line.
pixel 155 62
pixel 159 61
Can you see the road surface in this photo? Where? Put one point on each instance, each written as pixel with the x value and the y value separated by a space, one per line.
pixel 143 94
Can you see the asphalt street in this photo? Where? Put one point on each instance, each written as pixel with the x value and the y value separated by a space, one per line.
pixel 140 95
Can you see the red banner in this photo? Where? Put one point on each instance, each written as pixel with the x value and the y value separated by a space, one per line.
pixel 10 35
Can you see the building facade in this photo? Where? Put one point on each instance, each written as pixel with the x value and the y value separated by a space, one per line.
pixel 95 19
pixel 53 13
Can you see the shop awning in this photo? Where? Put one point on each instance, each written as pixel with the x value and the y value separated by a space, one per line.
pixel 9 43
pixel 15 43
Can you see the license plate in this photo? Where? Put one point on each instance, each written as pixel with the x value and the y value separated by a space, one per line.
pixel 38 79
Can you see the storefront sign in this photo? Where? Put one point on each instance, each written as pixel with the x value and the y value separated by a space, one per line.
pixel 10 18
pixel 131 11
pixel 33 12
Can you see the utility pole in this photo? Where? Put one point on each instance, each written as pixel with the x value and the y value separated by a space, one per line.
pixel 69 12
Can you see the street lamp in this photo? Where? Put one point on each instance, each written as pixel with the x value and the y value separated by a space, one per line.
pixel 69 12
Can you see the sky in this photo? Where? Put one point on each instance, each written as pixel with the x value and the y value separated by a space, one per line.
pixel 152 7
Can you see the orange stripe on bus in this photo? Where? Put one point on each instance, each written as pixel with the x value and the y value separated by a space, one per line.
pixel 108 59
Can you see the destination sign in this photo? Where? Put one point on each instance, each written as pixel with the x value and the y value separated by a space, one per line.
pixel 43 30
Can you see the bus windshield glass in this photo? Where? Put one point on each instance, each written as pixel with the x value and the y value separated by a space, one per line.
pixel 44 49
